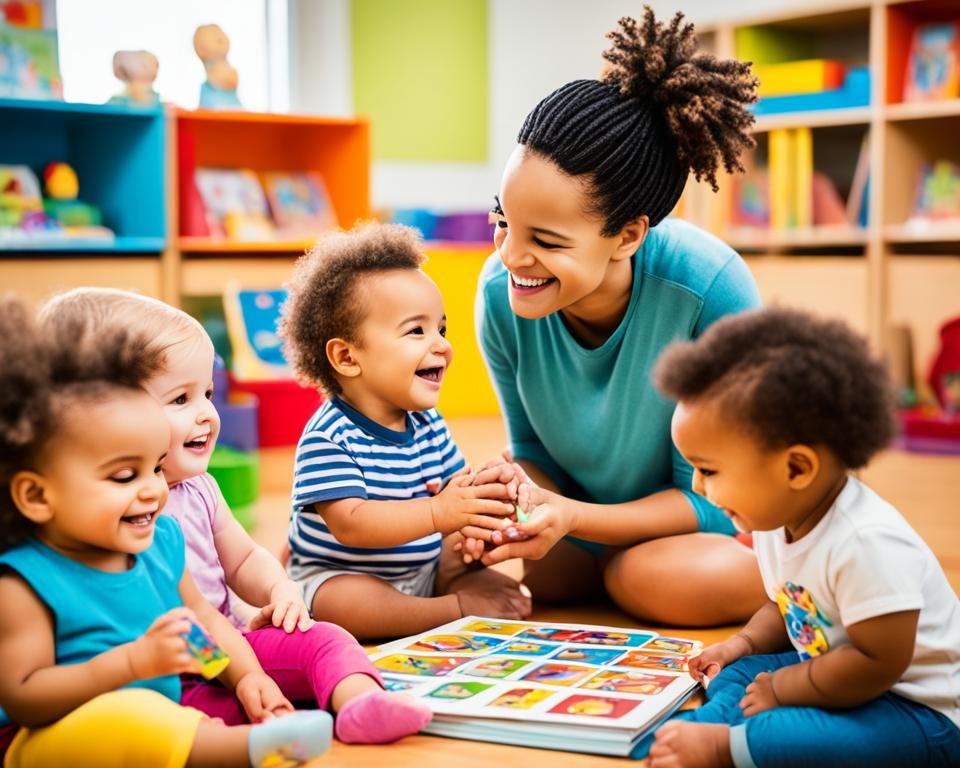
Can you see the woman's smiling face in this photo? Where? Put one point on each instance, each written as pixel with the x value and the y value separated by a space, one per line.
pixel 550 241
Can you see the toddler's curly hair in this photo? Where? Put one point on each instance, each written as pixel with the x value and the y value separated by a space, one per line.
pixel 43 372
pixel 788 377
pixel 323 296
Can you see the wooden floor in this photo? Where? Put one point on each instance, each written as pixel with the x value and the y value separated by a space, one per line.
pixel 925 488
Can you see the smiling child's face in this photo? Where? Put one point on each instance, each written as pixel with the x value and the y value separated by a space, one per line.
pixel 185 389
pixel 748 481
pixel 402 350
pixel 103 479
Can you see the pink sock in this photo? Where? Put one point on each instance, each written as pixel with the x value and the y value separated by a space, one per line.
pixel 380 717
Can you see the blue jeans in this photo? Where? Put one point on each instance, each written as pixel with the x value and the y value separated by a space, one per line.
pixel 888 731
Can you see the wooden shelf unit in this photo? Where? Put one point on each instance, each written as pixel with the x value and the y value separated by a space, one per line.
pixel 895 270
pixel 133 164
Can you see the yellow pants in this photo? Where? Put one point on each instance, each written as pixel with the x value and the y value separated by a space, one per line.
pixel 129 727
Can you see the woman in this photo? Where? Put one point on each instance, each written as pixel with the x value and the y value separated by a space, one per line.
pixel 588 285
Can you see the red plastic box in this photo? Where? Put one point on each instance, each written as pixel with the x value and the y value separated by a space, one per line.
pixel 285 408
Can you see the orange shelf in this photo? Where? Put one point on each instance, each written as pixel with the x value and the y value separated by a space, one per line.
pixel 336 148
pixel 264 118
pixel 932 232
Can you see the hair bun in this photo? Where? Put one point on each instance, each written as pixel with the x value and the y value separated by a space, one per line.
pixel 703 99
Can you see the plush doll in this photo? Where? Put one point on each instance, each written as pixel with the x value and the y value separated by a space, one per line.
pixel 137 70
pixel 219 91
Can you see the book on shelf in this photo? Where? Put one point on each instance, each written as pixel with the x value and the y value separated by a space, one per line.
pixel 572 687
pixel 857 206
pixel 234 204
pixel 933 66
pixel 299 203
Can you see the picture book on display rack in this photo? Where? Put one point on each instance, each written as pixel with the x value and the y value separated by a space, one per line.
pixel 571 687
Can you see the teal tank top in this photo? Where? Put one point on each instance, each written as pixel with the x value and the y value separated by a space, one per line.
pixel 95 611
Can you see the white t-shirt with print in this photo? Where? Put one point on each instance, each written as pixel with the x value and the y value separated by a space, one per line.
pixel 863 560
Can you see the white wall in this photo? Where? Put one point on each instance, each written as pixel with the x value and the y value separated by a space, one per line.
pixel 535 47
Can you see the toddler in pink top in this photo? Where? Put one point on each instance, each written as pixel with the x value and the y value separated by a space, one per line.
pixel 310 661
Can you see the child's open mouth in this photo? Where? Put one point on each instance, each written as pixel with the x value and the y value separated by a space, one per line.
pixel 140 521
pixel 198 443
pixel 433 375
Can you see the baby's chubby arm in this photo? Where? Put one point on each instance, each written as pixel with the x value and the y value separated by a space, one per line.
pixel 388 523
pixel 879 652
pixel 35 690
pixel 258 693
pixel 257 576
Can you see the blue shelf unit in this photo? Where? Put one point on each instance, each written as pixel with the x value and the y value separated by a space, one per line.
pixel 118 153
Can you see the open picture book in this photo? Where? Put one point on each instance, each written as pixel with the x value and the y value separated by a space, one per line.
pixel 572 687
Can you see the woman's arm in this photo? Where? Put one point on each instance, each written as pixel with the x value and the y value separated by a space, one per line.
pixel 552 516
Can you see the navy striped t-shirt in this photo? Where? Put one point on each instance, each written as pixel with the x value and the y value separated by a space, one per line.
pixel 343 454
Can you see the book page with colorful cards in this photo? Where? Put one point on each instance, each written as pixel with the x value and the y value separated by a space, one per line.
pixel 559 686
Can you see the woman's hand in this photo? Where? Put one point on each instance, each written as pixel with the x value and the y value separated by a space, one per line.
pixel 549 519
pixel 261 697
pixel 286 609
pixel 162 649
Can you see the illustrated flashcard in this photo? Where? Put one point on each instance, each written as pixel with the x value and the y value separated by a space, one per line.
pixel 557 674
pixel 628 682
pixel 393 684
pixel 553 634
pixel 603 637
pixel 520 648
pixel 672 645
pixel 459 690
pixel 591 637
pixel 456 643
pixel 594 706
pixel 505 628
pixel 495 667
pixel 644 660
pixel 521 698
pixel 588 655
pixel 406 664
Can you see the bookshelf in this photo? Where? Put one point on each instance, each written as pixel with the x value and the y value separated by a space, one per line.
pixel 133 164
pixel 893 269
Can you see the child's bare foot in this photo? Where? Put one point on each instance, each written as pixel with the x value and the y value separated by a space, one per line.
pixel 680 744
pixel 507 602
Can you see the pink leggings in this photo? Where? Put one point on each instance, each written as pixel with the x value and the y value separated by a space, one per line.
pixel 306 665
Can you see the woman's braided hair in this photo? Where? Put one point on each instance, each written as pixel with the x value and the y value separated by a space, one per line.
pixel 661 111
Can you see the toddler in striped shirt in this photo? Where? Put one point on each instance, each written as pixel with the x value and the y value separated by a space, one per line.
pixel 378 480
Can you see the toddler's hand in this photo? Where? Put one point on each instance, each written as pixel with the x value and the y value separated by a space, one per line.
pixel 261 697
pixel 760 696
pixel 713 658
pixel 162 649
pixel 462 503
pixel 508 473
pixel 286 609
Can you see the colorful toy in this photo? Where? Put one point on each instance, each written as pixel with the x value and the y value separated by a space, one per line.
pixel 19 194
pixel 219 91
pixel 204 649
pixel 61 203
pixel 137 70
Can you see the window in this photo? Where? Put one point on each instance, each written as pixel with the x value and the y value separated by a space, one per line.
pixel 91 31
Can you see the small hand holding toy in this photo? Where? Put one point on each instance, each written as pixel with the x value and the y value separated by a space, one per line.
pixel 203 648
